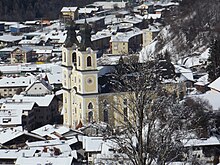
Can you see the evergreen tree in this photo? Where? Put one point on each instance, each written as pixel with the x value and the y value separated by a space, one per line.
pixel 213 67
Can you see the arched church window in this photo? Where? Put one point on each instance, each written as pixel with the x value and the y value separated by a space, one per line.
pixel 74 58
pixel 89 61
pixel 90 106
pixel 105 111
pixel 90 116
pixel 106 115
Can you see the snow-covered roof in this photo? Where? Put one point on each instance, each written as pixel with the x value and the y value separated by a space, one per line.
pixel 152 16
pixel 18 26
pixel 30 22
pixel 49 129
pixel 202 142
pixel 110 5
pixel 54 78
pixel 18 68
pixel 202 81
pixel 56 36
pixel 10 38
pixel 21 81
pixel 41 51
pixel 215 85
pixel 186 74
pixel 7 134
pixel 69 9
pixel 42 101
pixel 92 144
pixel 212 97
pixel 7 49
pixel 18 104
pixel 89 20
pixel 100 35
pixel 44 143
pixel 147 53
pixel 87 10
pixel 108 60
pixel 124 37
pixel 15 153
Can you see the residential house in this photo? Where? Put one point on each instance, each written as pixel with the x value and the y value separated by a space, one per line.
pixel 15 113
pixel 204 150
pixel 40 93
pixel 19 28
pixel 15 137
pixel 149 34
pixel 21 55
pixel 87 12
pixel 70 13
pixel 10 40
pixel 105 5
pixel 125 43
pixel 101 40
pixel 11 85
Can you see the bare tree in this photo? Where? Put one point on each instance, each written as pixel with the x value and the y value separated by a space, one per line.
pixel 154 122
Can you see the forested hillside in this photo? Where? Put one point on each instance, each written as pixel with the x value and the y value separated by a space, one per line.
pixel 189 29
pixel 19 10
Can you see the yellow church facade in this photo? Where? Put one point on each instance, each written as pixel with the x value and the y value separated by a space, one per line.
pixel 82 103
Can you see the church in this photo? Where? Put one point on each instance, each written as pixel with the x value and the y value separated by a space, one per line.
pixel 82 101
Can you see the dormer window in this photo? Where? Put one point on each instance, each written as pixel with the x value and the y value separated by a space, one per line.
pixel 89 61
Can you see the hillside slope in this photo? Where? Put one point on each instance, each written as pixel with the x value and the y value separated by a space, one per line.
pixel 189 29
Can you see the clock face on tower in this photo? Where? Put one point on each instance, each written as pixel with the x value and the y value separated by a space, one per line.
pixel 89 80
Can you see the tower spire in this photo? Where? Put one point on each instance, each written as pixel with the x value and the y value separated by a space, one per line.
pixel 71 35
pixel 85 33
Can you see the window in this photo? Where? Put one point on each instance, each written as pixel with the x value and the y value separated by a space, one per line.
pixel 125 114
pixel 90 116
pixel 89 61
pixel 90 106
pixel 105 115
pixel 79 61
pixel 64 57
pixel 125 102
pixel 74 58
pixel 80 106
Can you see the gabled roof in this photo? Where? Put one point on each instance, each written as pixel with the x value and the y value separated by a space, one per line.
pixel 69 9
pixel 43 82
pixel 25 49
pixel 202 142
pixel 48 129
pixel 8 134
pixel 215 85
pixel 42 101
pixel 18 104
